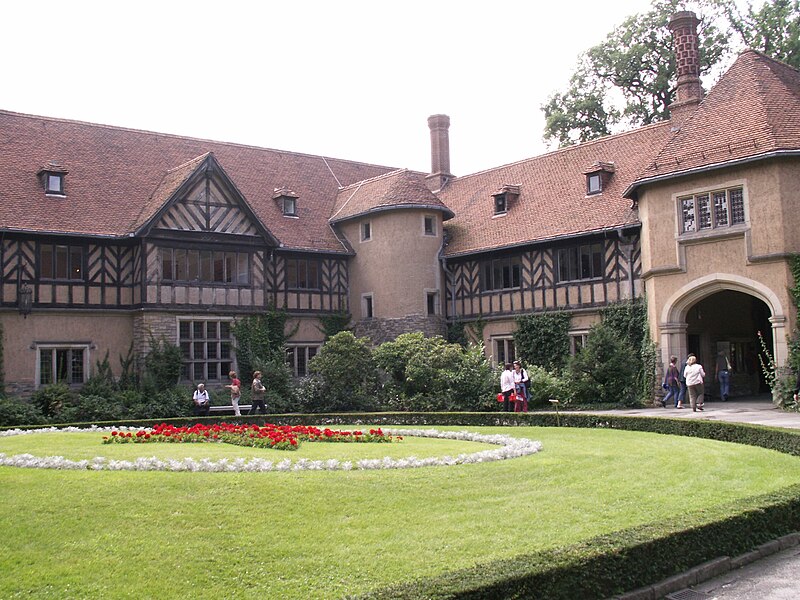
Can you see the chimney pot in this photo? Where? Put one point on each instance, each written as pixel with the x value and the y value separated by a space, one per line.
pixel 689 90
pixel 440 149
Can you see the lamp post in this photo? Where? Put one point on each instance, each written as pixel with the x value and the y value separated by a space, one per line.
pixel 25 300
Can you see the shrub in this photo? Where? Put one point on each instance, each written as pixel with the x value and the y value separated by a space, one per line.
pixel 101 383
pixel 15 412
pixel 162 365
pixel 429 373
pixel 175 401
pixel 51 399
pixel 346 370
pixel 545 385
pixel 90 408
pixel 603 370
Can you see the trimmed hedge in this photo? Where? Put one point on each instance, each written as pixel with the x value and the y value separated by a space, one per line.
pixel 605 565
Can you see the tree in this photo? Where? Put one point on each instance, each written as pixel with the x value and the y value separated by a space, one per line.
pixel 636 62
pixel 602 371
pixel 774 28
pixel 543 339
pixel 346 375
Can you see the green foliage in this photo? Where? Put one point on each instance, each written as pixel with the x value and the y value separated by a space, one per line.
pixel 543 339
pixel 127 377
pixel 628 319
pixel 604 369
pixel 162 365
pixel 545 385
pixel 333 323
pixel 429 373
pixel 101 383
pixel 261 346
pixel 15 412
pixel 346 372
pixel 636 61
pixel 51 399
pixel 457 333
pixel 88 408
pixel 773 28
pixel 276 376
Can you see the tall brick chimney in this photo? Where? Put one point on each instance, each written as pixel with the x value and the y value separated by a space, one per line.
pixel 689 91
pixel 440 151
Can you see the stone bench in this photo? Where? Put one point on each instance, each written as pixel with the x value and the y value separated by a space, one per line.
pixel 228 409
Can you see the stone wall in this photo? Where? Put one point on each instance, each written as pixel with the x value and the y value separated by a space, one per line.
pixel 385 330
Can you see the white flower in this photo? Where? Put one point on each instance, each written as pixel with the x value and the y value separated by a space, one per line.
pixel 510 447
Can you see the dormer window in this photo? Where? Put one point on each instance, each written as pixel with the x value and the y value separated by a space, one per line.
pixel 500 204
pixel 597 177
pixel 594 183
pixel 287 201
pixel 53 177
pixel 504 197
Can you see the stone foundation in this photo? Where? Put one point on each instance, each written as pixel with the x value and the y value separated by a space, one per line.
pixel 386 330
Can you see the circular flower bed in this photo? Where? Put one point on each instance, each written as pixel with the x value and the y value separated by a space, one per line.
pixel 510 447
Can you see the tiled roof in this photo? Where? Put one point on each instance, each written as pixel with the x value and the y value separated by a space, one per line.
pixel 553 202
pixel 754 110
pixel 398 189
pixel 118 176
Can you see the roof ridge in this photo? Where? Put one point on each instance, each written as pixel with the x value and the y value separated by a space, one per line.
pixel 376 178
pixel 182 137
pixel 198 159
pixel 572 147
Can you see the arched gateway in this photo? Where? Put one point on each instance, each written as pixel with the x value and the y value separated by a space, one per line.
pixel 725 312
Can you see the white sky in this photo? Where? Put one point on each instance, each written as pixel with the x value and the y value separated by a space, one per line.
pixel 350 79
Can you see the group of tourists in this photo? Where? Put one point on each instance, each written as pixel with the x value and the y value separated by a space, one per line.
pixel 689 379
pixel 515 387
pixel 202 399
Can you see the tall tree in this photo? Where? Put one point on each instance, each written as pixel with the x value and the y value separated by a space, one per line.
pixel 635 68
pixel 774 28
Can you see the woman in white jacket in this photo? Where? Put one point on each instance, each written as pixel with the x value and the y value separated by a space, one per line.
pixel 694 375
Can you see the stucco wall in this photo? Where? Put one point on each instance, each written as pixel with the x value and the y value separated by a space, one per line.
pixel 103 332
pixel 398 265
pixel 680 269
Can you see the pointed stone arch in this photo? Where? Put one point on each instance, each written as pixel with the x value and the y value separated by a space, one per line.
pixel 673 317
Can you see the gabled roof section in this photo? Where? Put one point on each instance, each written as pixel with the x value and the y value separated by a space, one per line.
pixel 399 189
pixel 119 177
pixel 553 202
pixel 199 196
pixel 753 112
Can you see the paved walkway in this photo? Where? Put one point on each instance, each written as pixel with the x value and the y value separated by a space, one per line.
pixel 774 577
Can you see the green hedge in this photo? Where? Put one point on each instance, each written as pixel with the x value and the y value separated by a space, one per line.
pixel 605 565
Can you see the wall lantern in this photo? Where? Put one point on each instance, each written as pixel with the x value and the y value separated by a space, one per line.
pixel 25 298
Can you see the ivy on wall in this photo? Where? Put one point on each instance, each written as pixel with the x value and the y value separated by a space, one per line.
pixel 543 339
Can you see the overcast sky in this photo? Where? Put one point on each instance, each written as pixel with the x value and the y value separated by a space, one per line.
pixel 347 79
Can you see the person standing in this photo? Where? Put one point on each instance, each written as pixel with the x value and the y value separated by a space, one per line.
pixel 259 391
pixel 682 383
pixel 507 386
pixel 694 375
pixel 236 392
pixel 723 375
pixel 672 380
pixel 202 401
pixel 521 387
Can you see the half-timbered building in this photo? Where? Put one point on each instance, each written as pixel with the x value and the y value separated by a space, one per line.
pixel 111 235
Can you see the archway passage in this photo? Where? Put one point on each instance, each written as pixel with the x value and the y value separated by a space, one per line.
pixel 729 321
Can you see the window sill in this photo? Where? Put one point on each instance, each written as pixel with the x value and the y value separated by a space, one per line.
pixel 706 235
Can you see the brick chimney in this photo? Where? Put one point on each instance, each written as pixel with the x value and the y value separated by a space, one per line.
pixel 689 91
pixel 440 152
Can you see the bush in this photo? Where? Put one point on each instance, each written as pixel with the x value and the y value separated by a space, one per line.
pixel 346 371
pixel 15 412
pixel 429 373
pixel 90 408
pixel 545 385
pixel 162 365
pixel 603 370
pixel 51 399
pixel 175 401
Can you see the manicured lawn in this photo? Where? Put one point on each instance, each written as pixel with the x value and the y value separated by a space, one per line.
pixel 326 534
